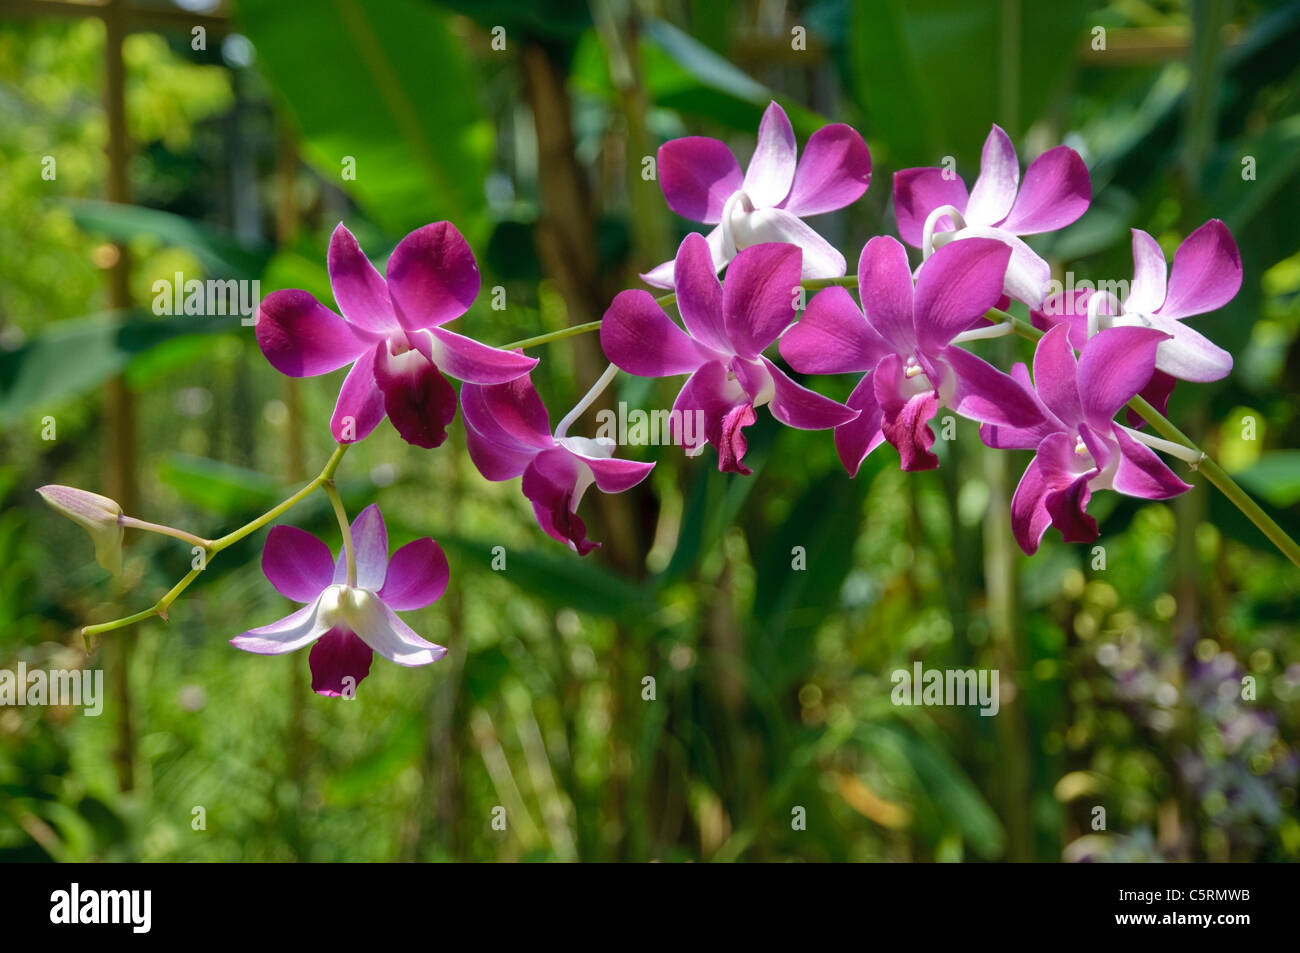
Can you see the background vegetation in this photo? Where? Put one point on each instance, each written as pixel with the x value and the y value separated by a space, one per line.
pixel 1122 684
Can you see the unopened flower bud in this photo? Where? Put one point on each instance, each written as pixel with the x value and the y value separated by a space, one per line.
pixel 97 514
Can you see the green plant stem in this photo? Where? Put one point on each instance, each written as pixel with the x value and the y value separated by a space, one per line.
pixel 159 608
pixel 349 550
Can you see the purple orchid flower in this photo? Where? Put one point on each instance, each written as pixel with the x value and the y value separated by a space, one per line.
pixel 391 332
pixel 1206 275
pixel 348 623
pixel 729 327
pixel 934 208
pixel 508 433
pixel 702 181
pixel 905 344
pixel 1080 447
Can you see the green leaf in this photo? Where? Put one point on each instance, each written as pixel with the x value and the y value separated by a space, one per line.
pixel 389 85
pixel 72 357
pixel 221 253
pixel 219 487
pixel 931 76
pixel 1275 476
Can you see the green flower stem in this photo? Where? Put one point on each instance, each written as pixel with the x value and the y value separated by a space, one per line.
pixel 131 522
pixel 210 549
pixel 349 549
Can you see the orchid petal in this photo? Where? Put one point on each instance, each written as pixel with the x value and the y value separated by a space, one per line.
pixel 832 337
pixel 820 259
pixel 834 171
pixel 641 339
pixel 995 189
pixel 699 293
pixel 771 170
pixel 359 290
pixel 759 295
pixel 1056 190
pixel 958 283
pixel 917 193
pixel 285 635
pixel 417 576
pixel 380 628
pixel 1055 376
pixel 467 360
pixel 1147 293
pixel 551 483
pixel 418 399
pixel 986 394
pixel 1141 473
pixel 796 406
pixel 303 338
pixel 297 563
pixel 1113 367
pixel 339 663
pixel 370 548
pixel 885 287
pixel 432 276
pixel 1206 274
pixel 857 438
pixel 360 405
pixel 697 175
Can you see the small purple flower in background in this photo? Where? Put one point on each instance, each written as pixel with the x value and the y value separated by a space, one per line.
pixel 348 623
pixel 508 433
pixel 729 327
pixel 392 330
pixel 702 181
pixel 1206 275
pixel 933 207
pixel 904 347
pixel 1080 448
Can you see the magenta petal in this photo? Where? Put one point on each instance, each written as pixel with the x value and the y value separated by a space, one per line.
pixel 1068 507
pixel 833 171
pixel 360 406
pixel 615 476
pixel 1022 438
pixel 550 484
pixel 339 661
pixel 370 542
pixel 758 297
pixel 641 339
pixel 726 412
pixel 284 635
pixel 1147 293
pixel 832 337
pixel 1206 274
pixel 885 288
pixel 1141 473
pixel 467 360
pixel 1113 367
pixel 857 438
pixel 417 576
pixel 1071 309
pixel 771 170
pixel 1029 516
pixel 909 430
pixel 917 193
pixel 699 293
pixel 1055 376
pixel 418 399
pixel 959 282
pixel 511 414
pixel 697 175
pixel 1056 190
pixel 796 406
pixel 986 394
pixel 432 276
pixel 359 290
pixel 303 338
pixel 995 189
pixel 1188 354
pixel 297 563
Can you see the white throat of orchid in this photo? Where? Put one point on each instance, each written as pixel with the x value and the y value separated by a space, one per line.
pixel 917 381
pixel 737 235
pixel 929 240
pixel 347 605
pixel 1098 321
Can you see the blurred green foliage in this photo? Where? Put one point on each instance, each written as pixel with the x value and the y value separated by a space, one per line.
pixel 1121 673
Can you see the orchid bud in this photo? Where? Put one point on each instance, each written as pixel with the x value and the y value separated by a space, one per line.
pixel 99 515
